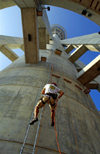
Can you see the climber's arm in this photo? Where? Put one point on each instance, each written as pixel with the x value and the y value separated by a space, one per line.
pixel 43 91
pixel 61 93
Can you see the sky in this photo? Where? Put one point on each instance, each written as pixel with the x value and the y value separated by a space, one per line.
pixel 74 24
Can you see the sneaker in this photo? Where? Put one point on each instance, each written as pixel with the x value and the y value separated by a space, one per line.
pixel 52 123
pixel 33 121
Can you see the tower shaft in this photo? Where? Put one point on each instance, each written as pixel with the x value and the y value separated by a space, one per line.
pixel 77 120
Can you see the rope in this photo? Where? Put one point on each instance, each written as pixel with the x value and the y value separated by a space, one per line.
pixel 56 134
pixel 27 130
pixel 51 73
pixel 77 149
pixel 37 133
pixel 38 128
pixel 54 119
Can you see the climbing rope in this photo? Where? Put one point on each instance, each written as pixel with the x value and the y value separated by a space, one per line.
pixel 36 137
pixel 38 127
pixel 74 132
pixel 37 133
pixel 51 73
pixel 54 118
pixel 28 127
pixel 57 135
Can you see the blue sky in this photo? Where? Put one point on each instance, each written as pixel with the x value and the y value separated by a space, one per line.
pixel 74 24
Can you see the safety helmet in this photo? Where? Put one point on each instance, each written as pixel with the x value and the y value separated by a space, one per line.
pixel 54 83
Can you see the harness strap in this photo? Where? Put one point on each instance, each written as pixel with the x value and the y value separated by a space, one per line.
pixel 54 96
pixel 45 101
pixel 52 104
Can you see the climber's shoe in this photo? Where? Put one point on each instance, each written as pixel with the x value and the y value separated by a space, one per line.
pixel 33 121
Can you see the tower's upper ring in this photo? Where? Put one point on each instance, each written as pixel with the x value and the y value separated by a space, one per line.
pixel 60 31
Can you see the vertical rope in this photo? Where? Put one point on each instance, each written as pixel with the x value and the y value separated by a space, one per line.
pixel 37 133
pixel 54 118
pixel 27 130
pixel 51 73
pixel 56 135
pixel 38 128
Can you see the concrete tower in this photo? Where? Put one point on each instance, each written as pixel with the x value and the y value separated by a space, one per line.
pixel 77 120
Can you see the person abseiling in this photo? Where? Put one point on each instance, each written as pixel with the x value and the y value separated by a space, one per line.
pixel 50 95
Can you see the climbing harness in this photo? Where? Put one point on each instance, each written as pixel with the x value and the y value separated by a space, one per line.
pixel 54 96
pixel 45 101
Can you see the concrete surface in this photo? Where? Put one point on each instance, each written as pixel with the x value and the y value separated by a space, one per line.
pixel 77 120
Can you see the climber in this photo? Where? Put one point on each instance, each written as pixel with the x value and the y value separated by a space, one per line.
pixel 50 96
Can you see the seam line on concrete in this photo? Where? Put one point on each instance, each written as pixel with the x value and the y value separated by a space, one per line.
pixel 49 149
pixel 26 67
pixel 18 85
pixel 19 142
pixel 13 141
